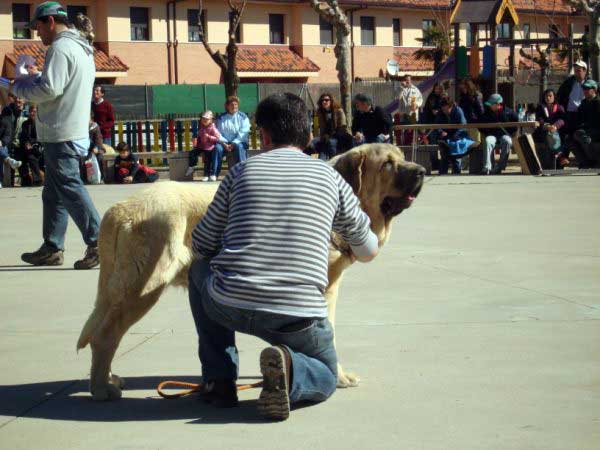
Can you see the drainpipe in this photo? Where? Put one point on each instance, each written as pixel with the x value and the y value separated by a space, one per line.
pixel 176 41
pixel 352 11
pixel 169 42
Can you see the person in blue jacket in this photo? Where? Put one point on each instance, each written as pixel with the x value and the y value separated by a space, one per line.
pixel 453 143
pixel 234 127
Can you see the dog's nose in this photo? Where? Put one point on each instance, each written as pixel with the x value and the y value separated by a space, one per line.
pixel 421 172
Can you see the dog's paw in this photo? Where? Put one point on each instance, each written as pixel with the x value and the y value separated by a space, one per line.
pixel 346 380
pixel 106 393
pixel 117 381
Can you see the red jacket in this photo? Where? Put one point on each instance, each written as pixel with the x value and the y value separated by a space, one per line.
pixel 104 116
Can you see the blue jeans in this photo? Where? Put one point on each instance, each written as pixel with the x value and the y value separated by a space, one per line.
pixel 505 144
pixel 238 154
pixel 3 156
pixel 327 149
pixel 64 195
pixel 314 360
pixel 107 141
pixel 379 139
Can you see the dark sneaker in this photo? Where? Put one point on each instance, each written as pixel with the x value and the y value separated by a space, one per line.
pixel 220 393
pixel 44 257
pixel 90 260
pixel 274 400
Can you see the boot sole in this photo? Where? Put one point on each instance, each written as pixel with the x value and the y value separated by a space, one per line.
pixel 45 262
pixel 274 400
pixel 87 267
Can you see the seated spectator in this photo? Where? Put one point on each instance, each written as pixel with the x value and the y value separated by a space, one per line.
pixel 370 124
pixel 96 145
pixel 128 170
pixel 588 127
pixel 551 117
pixel 569 96
pixel 17 115
pixel 497 112
pixel 333 137
pixel 432 104
pixel 470 100
pixel 208 138
pixel 30 152
pixel 234 127
pixel 5 139
pixel 454 143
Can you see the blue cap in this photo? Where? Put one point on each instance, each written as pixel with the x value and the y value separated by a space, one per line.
pixel 495 99
pixel 589 84
pixel 47 9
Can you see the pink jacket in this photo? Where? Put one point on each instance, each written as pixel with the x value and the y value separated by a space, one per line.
pixel 208 137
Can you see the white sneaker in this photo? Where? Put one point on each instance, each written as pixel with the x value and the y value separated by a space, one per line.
pixel 212 178
pixel 189 172
pixel 204 178
pixel 14 164
pixel 0 185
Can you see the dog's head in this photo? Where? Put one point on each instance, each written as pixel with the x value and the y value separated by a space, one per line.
pixel 383 181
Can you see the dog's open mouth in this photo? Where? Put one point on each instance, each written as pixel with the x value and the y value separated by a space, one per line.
pixel 392 206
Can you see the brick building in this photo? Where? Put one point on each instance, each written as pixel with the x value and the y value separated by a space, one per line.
pixel 156 42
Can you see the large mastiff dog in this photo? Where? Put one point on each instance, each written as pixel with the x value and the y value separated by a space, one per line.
pixel 145 246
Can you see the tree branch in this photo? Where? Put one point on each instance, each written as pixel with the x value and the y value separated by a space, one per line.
pixel 583 4
pixel 332 13
pixel 217 57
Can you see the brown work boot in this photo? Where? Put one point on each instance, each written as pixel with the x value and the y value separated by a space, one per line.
pixel 220 393
pixel 275 366
pixel 44 256
pixel 90 260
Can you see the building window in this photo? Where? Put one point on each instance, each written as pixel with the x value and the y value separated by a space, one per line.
pixel 469 42
pixel 427 24
pixel 367 30
pixel 503 31
pixel 140 24
pixel 276 28
pixel 21 18
pixel 325 32
pixel 73 10
pixel 238 33
pixel 526 31
pixel 193 27
pixel 397 31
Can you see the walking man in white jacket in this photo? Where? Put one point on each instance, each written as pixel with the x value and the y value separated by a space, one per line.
pixel 62 92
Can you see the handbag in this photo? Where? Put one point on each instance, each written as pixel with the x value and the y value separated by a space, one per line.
pixel 92 170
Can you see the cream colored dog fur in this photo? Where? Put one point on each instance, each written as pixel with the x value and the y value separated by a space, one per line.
pixel 145 246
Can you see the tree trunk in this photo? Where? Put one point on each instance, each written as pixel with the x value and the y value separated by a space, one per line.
pixel 343 67
pixel 595 44
pixel 543 82
pixel 230 76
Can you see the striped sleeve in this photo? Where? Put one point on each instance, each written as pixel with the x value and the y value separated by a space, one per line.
pixel 207 237
pixel 350 221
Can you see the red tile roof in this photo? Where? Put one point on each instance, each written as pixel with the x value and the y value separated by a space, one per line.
pixel 546 6
pixel 104 63
pixel 406 58
pixel 272 58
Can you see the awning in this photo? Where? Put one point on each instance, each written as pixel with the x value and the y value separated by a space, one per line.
pixel 106 66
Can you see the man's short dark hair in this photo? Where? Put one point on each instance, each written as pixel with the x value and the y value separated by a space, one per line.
pixel 63 20
pixel 285 118
pixel 363 98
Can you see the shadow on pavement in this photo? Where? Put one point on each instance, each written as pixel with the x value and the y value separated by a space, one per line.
pixel 29 268
pixel 70 400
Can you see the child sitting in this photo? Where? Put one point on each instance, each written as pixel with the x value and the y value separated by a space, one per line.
pixel 128 170
pixel 208 136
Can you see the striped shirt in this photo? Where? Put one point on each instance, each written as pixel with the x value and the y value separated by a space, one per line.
pixel 268 231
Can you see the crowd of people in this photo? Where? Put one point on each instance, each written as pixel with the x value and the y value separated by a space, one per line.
pixel 567 123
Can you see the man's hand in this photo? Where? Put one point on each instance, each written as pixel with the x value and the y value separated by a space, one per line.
pixel 128 180
pixel 358 136
pixel 228 147
pixel 32 69
pixel 444 134
pixel 95 150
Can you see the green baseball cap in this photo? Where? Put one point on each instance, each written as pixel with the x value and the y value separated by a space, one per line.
pixel 589 84
pixel 495 99
pixel 47 9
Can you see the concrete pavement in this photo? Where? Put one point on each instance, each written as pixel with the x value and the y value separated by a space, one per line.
pixel 478 327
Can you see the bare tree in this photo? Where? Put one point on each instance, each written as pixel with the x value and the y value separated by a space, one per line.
pixel 227 62
pixel 331 11
pixel 591 8
pixel 543 60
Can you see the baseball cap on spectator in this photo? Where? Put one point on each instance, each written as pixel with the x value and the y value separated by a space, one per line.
pixel 581 64
pixel 47 9
pixel 589 84
pixel 495 99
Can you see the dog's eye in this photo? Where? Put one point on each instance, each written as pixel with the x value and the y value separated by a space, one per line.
pixel 387 166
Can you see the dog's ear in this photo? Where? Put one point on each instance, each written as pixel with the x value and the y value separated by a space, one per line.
pixel 350 166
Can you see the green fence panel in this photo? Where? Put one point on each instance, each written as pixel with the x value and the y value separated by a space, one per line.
pixel 247 92
pixel 177 99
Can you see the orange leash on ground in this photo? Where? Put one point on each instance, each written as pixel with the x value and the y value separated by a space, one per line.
pixel 194 388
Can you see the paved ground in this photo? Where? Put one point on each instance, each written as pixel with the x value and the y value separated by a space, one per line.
pixel 478 327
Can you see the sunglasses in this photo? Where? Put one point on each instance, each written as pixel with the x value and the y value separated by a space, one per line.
pixel 326 100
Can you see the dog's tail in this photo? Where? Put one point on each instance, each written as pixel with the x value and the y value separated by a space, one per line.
pixel 107 248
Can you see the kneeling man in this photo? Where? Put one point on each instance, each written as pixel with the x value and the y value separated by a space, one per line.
pixel 262 265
